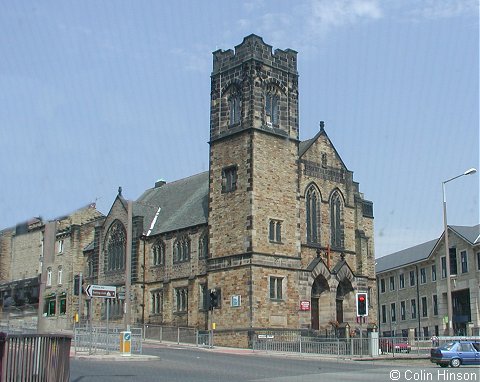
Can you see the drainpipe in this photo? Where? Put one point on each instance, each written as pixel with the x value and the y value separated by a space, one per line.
pixel 418 300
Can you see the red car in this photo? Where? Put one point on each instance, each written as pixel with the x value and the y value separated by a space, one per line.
pixel 397 345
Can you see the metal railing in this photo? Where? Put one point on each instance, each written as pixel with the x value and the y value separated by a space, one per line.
pixel 96 339
pixel 35 357
pixel 171 334
pixel 315 345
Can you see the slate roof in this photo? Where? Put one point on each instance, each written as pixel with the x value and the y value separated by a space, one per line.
pixel 422 251
pixel 183 203
pixel 471 234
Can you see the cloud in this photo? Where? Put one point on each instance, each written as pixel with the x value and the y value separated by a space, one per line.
pixel 442 9
pixel 196 59
pixel 326 15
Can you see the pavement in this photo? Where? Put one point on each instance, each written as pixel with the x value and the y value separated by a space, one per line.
pixel 117 356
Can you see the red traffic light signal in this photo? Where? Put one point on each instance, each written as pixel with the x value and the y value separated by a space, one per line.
pixel 362 304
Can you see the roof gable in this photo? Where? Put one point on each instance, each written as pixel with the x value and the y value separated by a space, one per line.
pixel 320 139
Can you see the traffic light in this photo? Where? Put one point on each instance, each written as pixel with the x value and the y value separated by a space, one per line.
pixel 362 304
pixel 214 298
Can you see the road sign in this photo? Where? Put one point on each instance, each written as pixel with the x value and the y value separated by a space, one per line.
pixel 102 291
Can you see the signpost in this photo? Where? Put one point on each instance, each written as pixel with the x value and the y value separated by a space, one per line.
pixel 102 291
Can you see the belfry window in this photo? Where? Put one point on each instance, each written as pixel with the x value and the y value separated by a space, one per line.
pixel 312 215
pixel 271 109
pixel 234 109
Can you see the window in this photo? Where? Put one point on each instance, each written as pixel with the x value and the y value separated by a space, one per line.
pixel 276 288
pixel 384 314
pixel 115 308
pixel 203 299
pixel 464 261
pixel 453 261
pixel 116 246
pixel 382 285
pixel 156 301
pixel 401 280
pixel 336 220
pixel 402 311
pixel 59 275
pixel 313 215
pixel 50 305
pixel 158 253
pixel 413 308
pixel 275 231
pixel 234 109
pixel 393 311
pixel 444 266
pixel 60 246
pixel 62 309
pixel 412 278
pixel 424 307
pixel 423 276
pixel 425 332
pixel 203 246
pixel 181 250
pixel 478 261
pixel 90 267
pixel 435 305
pixel 181 300
pixel 392 283
pixel 434 272
pixel 229 179
pixel 49 276
pixel 271 109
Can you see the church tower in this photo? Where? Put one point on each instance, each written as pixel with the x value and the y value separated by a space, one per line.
pixel 253 183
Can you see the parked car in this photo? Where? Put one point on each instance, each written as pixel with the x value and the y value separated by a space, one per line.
pixel 456 353
pixel 397 345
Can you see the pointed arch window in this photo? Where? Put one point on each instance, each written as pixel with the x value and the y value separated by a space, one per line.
pixel 312 201
pixel 158 253
pixel 203 246
pixel 234 109
pixel 116 247
pixel 271 108
pixel 336 221
pixel 181 250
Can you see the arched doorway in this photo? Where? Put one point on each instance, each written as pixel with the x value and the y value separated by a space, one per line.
pixel 319 289
pixel 343 289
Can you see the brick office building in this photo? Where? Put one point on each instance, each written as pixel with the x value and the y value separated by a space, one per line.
pixel 277 225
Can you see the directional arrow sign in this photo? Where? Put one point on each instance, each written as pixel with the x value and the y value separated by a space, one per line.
pixel 103 291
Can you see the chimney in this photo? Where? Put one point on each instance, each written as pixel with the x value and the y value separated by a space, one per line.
pixel 159 183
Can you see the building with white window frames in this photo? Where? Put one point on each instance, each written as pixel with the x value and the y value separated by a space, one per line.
pixel 423 299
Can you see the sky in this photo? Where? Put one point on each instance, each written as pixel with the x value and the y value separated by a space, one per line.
pixel 100 94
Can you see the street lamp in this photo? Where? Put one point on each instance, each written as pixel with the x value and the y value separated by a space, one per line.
pixel 447 250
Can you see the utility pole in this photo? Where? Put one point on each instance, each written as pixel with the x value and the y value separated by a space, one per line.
pixel 128 265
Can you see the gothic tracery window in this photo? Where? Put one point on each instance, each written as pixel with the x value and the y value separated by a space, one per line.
pixel 181 250
pixel 158 253
pixel 336 220
pixel 116 247
pixel 312 201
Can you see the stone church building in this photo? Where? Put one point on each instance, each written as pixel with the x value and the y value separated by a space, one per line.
pixel 277 226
